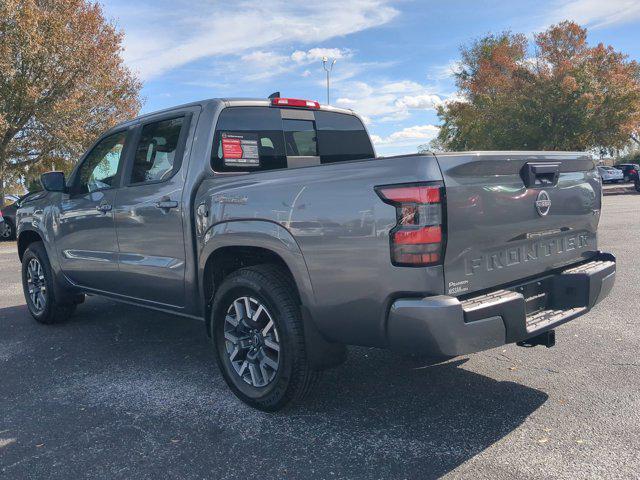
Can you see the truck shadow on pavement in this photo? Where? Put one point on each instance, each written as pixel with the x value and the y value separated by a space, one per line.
pixel 121 392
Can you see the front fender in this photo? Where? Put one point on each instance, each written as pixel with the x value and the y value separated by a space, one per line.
pixel 262 234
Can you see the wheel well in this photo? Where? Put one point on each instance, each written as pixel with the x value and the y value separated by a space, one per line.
pixel 227 260
pixel 25 239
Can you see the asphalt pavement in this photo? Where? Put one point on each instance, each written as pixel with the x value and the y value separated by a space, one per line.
pixel 119 392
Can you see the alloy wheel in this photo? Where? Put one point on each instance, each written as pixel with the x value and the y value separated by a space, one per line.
pixel 6 232
pixel 252 341
pixel 36 285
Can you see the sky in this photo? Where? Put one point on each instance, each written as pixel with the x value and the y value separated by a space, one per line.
pixel 394 58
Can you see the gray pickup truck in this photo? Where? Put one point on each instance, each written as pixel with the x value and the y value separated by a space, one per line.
pixel 273 221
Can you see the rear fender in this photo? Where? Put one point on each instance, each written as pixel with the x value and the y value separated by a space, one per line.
pixel 277 239
pixel 262 234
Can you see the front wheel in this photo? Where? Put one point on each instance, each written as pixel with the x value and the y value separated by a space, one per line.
pixel 257 332
pixel 38 285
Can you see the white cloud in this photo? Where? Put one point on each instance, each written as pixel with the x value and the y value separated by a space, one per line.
pixel 316 55
pixel 425 101
pixel 387 101
pixel 444 72
pixel 260 64
pixel 409 136
pixel 596 13
pixel 201 29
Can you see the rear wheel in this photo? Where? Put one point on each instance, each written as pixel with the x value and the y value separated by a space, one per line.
pixel 258 336
pixel 38 285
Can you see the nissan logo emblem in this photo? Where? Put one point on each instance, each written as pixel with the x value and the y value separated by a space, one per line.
pixel 543 203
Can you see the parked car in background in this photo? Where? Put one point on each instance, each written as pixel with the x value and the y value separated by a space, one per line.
pixel 8 213
pixel 2 226
pixel 610 174
pixel 629 171
pixel 9 199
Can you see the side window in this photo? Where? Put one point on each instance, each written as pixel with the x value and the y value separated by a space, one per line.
pixel 155 157
pixel 300 137
pixel 248 139
pixel 100 166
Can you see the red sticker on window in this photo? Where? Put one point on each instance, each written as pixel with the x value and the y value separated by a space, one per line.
pixel 231 148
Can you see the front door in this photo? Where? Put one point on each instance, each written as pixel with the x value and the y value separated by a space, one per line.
pixel 149 214
pixel 84 227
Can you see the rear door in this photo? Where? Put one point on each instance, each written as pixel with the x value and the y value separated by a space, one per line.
pixel 515 215
pixel 149 211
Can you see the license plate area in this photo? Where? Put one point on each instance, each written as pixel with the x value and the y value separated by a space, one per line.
pixel 536 295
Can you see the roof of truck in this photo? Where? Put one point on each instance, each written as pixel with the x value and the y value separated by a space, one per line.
pixel 232 101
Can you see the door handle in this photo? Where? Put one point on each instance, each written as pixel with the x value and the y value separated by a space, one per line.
pixel 104 207
pixel 166 204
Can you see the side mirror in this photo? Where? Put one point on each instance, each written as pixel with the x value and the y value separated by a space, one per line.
pixel 53 181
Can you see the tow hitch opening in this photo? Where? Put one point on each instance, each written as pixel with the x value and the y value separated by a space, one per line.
pixel 548 339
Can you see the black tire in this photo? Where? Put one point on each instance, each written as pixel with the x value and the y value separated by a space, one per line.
pixel 8 231
pixel 269 286
pixel 52 310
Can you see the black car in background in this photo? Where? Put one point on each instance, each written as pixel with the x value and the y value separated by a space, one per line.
pixel 629 170
pixel 8 226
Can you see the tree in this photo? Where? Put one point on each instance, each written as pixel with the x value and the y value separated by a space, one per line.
pixel 565 96
pixel 62 82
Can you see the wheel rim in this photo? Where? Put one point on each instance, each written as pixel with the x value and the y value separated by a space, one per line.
pixel 6 231
pixel 252 342
pixel 36 285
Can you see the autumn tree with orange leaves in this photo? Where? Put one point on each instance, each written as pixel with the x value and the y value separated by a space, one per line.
pixel 562 95
pixel 62 82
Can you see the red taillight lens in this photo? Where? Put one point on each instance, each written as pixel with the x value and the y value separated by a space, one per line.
pixel 417 239
pixel 294 102
pixel 633 172
pixel 414 194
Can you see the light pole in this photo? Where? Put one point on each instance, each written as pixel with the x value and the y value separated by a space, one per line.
pixel 328 67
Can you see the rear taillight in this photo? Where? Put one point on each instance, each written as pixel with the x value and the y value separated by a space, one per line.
pixel 417 239
pixel 633 172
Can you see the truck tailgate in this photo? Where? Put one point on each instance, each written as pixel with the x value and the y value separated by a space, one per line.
pixel 514 215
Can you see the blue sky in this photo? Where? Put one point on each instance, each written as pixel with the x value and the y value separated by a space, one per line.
pixel 394 58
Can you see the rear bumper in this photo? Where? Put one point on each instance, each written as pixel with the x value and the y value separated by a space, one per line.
pixel 446 326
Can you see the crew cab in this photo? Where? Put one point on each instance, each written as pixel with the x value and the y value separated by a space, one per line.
pixel 273 221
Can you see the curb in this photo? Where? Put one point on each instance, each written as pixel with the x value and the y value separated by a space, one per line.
pixel 619 190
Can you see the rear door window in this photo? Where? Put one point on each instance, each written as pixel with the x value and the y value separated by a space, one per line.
pixel 155 157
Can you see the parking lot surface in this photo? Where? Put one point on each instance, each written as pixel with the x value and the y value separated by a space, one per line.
pixel 121 392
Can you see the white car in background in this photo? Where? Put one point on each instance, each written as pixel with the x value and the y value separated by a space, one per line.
pixel 610 174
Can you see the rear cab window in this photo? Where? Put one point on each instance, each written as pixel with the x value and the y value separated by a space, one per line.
pixel 263 138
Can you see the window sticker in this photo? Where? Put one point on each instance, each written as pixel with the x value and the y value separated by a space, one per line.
pixel 240 150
